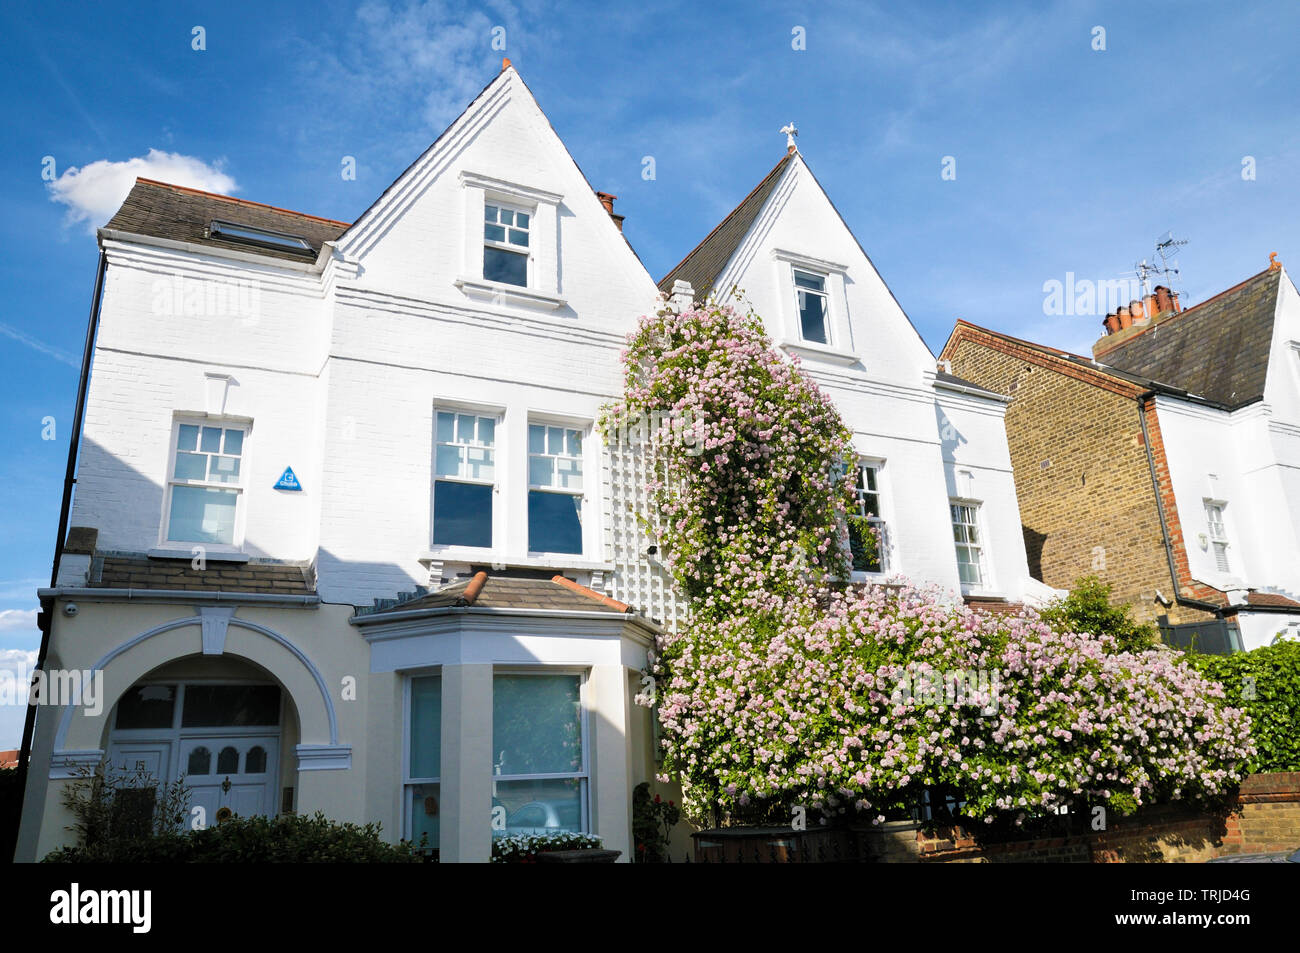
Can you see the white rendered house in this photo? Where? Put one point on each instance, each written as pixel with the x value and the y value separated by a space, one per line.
pixel 344 538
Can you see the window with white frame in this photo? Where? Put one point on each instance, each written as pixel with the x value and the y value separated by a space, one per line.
pixel 505 244
pixel 539 753
pixel 867 527
pixel 423 768
pixel 1214 519
pixel 464 478
pixel 811 300
pixel 555 489
pixel 205 483
pixel 969 542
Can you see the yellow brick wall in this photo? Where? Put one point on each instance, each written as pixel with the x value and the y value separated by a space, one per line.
pixel 1082 478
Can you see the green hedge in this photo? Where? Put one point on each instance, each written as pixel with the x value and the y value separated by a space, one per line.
pixel 1266 683
pixel 253 840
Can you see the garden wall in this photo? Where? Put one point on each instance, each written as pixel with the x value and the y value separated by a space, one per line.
pixel 1265 817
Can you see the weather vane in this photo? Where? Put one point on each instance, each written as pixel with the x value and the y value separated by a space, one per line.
pixel 790 132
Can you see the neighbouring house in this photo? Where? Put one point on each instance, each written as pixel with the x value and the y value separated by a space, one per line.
pixel 934 472
pixel 1168 463
pixel 345 537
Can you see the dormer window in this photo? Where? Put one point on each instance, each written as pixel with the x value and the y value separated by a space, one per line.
pixel 505 243
pixel 810 291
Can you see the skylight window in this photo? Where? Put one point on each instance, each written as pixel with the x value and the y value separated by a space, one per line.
pixel 260 236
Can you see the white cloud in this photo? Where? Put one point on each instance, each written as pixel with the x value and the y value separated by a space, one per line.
pixel 94 192
pixel 17 619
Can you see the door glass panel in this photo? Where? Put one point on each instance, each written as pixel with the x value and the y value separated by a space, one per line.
pixel 255 760
pixel 200 762
pixel 228 761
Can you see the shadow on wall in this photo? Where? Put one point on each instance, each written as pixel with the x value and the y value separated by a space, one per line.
pixel 129 510
pixel 950 438
pixel 1034 541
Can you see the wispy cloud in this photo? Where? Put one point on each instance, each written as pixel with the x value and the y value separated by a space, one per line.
pixel 24 619
pixel 408 70
pixel 34 344
pixel 94 192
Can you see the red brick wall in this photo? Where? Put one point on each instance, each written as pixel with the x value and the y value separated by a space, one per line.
pixel 1265 818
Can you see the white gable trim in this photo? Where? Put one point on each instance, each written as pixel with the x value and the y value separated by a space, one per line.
pixel 373 223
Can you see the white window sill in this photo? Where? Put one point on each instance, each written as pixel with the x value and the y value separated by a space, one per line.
pixel 463 554
pixel 976 592
pixel 834 355
pixel 209 554
pixel 496 291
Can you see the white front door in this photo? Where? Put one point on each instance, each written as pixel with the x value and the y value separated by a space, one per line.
pixel 238 773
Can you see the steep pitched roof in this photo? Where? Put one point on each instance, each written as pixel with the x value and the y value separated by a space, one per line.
pixel 182 214
pixel 1217 349
pixel 706 261
pixel 1084 368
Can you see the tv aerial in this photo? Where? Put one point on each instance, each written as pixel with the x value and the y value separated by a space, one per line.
pixel 1166 251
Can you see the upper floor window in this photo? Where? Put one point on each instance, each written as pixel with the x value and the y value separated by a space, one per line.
pixel 1218 533
pixel 505 244
pixel 867 547
pixel 969 541
pixel 205 484
pixel 465 478
pixel 555 489
pixel 810 290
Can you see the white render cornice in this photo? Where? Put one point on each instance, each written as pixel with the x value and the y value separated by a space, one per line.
pixel 514 189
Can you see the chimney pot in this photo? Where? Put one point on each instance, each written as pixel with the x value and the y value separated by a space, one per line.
pixel 1149 310
pixel 1125 318
pixel 1111 323
pixel 607 200
pixel 1163 300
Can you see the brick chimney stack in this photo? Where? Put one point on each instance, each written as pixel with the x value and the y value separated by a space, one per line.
pixel 607 200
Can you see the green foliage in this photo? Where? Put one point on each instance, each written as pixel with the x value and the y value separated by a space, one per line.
pixel 1266 683
pixel 652 822
pixel 524 848
pixel 111 807
pixel 289 838
pixel 131 818
pixel 864 544
pixel 1088 609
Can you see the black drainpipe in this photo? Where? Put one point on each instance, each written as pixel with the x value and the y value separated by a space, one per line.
pixel 1160 509
pixel 45 620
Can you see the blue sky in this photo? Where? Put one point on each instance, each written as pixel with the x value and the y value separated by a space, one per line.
pixel 1068 159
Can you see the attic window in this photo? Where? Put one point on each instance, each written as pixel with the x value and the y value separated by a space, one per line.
pixel 249 235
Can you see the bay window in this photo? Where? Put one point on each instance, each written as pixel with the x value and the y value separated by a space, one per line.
pixel 539 749
pixel 424 758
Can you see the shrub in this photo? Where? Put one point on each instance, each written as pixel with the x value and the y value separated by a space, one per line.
pixel 524 848
pixel 653 820
pixel 1088 609
pixel 289 838
pixel 858 707
pixel 1265 682
pixel 783 689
